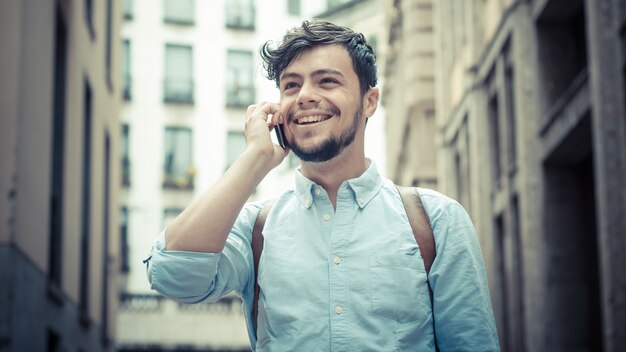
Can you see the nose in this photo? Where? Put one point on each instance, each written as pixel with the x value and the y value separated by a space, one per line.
pixel 307 96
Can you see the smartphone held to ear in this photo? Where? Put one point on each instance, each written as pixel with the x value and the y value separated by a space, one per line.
pixel 280 135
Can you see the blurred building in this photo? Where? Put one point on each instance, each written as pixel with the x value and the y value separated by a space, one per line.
pixel 530 138
pixel 409 95
pixel 190 69
pixel 58 142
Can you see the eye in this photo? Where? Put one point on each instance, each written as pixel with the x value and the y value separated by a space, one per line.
pixel 327 80
pixel 290 85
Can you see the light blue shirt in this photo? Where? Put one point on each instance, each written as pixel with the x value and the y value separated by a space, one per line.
pixel 350 279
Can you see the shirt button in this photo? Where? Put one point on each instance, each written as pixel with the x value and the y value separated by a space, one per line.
pixel 338 310
pixel 360 201
pixel 337 259
pixel 308 202
pixel 326 217
pixel 318 191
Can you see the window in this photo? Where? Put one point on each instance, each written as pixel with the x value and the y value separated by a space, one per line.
pixel 126 79
pixel 85 238
pixel 107 58
pixel 236 144
pixel 125 151
pixel 293 7
pixel 104 300
pixel 127 9
pixel 494 130
pixel 509 82
pixel 179 11
pixel 240 14
pixel 124 248
pixel 89 18
pixel 178 169
pixel 178 74
pixel 239 79
pixel 58 152
pixel 53 341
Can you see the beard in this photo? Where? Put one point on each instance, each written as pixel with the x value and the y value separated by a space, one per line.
pixel 331 146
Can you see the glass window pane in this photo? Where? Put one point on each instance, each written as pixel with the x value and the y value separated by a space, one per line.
pixel 178 73
pixel 124 148
pixel 178 167
pixel 240 13
pixel 239 79
pixel 236 144
pixel 128 9
pixel 126 79
pixel 293 7
pixel 179 11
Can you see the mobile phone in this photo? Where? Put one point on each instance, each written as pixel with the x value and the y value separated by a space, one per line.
pixel 280 135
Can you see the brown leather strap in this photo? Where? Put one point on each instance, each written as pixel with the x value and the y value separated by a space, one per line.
pixel 257 248
pixel 423 232
pixel 419 223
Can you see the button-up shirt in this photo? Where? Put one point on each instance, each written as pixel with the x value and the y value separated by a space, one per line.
pixel 344 279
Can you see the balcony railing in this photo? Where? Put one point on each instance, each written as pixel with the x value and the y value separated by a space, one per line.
pixel 179 180
pixel 240 17
pixel 177 90
pixel 240 97
pixel 141 302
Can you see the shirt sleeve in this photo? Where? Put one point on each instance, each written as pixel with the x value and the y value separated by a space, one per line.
pixel 462 309
pixel 192 277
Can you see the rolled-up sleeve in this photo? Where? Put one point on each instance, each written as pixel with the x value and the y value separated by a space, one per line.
pixel 463 312
pixel 192 277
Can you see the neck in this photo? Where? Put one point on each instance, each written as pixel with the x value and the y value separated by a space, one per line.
pixel 332 173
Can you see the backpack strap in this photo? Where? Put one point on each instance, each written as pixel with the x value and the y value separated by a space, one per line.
pixel 257 248
pixel 420 224
pixel 423 232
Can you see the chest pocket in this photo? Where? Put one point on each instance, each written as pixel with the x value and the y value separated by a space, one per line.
pixel 398 288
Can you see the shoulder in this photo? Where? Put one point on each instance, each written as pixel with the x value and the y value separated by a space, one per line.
pixel 441 208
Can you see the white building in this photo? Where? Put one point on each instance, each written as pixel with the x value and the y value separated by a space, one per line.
pixel 190 69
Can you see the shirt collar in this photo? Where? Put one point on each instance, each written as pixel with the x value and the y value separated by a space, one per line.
pixel 364 187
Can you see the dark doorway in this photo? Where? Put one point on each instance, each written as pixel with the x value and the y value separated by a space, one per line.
pixel 573 290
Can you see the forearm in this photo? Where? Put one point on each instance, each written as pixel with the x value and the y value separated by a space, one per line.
pixel 205 224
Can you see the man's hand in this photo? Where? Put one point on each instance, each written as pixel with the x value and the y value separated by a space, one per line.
pixel 260 120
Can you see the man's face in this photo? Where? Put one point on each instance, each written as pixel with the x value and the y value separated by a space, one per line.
pixel 321 99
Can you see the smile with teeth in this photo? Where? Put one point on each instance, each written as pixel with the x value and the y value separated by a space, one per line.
pixel 311 119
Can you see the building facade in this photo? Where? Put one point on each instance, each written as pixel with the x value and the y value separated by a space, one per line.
pixel 530 138
pixel 409 97
pixel 59 137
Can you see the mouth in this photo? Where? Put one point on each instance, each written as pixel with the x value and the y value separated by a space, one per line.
pixel 311 119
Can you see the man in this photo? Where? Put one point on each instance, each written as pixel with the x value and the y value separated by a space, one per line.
pixel 340 267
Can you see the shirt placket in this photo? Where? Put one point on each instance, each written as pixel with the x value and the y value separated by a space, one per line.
pixel 339 304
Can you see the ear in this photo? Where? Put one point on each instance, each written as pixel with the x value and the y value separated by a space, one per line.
pixel 370 102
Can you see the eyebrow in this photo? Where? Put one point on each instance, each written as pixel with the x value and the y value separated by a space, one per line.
pixel 322 71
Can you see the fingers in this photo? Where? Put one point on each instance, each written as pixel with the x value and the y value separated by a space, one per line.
pixel 270 112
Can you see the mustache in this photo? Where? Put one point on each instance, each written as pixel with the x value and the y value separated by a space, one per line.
pixel 331 110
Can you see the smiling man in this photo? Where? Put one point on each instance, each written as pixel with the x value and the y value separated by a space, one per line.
pixel 340 267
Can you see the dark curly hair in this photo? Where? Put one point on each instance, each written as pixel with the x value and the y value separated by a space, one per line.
pixel 314 33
